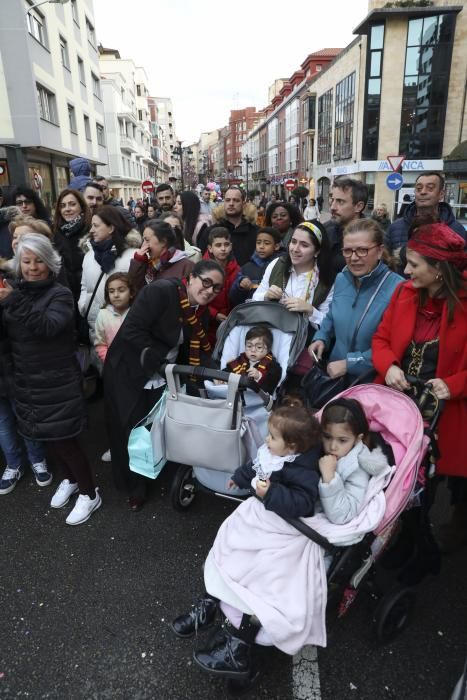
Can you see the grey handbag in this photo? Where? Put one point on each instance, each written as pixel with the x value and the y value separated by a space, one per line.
pixel 204 432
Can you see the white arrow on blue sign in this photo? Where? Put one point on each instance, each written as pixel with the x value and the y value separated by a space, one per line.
pixel 394 181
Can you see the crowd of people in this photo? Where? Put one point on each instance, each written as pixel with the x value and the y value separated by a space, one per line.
pixel 130 288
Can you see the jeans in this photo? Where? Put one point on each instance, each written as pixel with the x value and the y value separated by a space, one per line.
pixel 11 442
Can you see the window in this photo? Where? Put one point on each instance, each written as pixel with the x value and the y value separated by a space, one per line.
pixel 344 113
pixel 140 115
pixel 96 87
pixel 426 80
pixel 291 153
pixel 36 26
pixel 64 53
pixel 74 11
pixel 273 127
pixel 325 127
pixel 47 104
pixel 72 119
pixel 138 90
pixel 309 112
pixel 100 134
pixel 82 75
pixel 374 69
pixel 87 128
pixel 91 33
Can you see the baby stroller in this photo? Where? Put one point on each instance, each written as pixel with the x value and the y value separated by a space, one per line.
pixel 351 560
pixel 350 550
pixel 250 404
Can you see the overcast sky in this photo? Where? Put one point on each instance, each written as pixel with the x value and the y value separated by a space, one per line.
pixel 211 57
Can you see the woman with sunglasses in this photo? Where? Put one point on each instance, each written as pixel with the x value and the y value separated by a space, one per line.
pixel 362 292
pixel 30 204
pixel 166 323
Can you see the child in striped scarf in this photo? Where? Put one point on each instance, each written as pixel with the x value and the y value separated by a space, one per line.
pixel 257 361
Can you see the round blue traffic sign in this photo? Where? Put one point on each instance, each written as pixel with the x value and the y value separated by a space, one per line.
pixel 394 181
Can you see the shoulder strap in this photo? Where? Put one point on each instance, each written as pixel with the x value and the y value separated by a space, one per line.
pixel 93 294
pixel 366 309
pixel 279 275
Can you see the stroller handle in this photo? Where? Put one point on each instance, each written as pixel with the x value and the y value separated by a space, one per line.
pixel 208 373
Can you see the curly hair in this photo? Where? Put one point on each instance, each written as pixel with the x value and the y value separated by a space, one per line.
pixel 298 427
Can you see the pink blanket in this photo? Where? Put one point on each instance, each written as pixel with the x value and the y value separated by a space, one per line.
pixel 260 564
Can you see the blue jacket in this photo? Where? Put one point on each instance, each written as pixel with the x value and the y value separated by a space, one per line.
pixel 347 306
pixel 82 173
pixel 397 234
pixel 254 270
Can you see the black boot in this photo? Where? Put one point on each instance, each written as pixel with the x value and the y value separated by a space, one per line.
pixel 200 617
pixel 228 653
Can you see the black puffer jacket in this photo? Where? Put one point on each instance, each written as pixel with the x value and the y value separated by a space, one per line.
pixel 72 255
pixel 39 318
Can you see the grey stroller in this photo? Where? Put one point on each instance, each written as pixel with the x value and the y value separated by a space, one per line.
pixel 250 405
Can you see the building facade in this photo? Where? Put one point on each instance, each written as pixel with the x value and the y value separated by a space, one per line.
pixel 399 89
pixel 51 107
pixel 127 118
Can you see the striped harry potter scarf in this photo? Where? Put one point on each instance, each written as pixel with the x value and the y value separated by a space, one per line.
pixel 199 340
pixel 242 364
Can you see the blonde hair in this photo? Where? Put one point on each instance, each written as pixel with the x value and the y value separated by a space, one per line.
pixel 34 225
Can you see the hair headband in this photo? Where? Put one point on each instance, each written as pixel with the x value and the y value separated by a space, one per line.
pixel 314 230
pixel 355 409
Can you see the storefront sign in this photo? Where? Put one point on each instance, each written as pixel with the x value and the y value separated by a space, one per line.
pixel 371 166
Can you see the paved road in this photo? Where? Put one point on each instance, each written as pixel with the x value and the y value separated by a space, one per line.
pixel 84 611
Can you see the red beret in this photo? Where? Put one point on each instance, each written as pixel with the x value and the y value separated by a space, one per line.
pixel 440 242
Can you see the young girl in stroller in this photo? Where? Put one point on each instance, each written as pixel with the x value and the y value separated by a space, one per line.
pixel 249 566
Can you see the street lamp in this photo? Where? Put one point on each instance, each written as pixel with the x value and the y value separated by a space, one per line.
pixel 248 161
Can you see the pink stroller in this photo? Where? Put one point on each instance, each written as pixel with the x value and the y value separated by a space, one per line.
pixel 399 420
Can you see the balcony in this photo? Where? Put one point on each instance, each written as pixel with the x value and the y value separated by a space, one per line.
pixel 128 144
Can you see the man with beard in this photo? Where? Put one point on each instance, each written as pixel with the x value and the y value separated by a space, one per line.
pixel 242 231
pixel 347 201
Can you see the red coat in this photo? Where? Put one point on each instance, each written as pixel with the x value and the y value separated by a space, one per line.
pixel 390 341
pixel 221 303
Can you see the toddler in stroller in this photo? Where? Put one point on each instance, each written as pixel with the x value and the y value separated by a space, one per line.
pixel 249 565
pixel 289 333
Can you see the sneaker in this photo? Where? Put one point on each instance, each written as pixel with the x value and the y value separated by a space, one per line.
pixel 84 507
pixel 42 474
pixel 9 479
pixel 106 457
pixel 63 493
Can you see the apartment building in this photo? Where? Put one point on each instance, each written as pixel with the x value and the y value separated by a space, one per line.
pixel 51 107
pixel 159 148
pixel 169 135
pixel 127 118
pixel 399 88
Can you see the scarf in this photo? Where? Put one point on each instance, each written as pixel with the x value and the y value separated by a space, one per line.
pixel 105 254
pixel 71 227
pixel 198 338
pixel 265 463
pixel 155 266
pixel 242 364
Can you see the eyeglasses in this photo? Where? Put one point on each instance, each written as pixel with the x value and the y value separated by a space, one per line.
pixel 23 202
pixel 208 283
pixel 359 252
pixel 255 346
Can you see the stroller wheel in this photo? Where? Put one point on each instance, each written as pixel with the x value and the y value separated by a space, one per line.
pixel 183 489
pixel 393 613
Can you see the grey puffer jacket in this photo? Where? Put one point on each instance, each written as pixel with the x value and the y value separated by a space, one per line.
pixel 342 498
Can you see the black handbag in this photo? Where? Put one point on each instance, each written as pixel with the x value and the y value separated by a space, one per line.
pixel 318 387
pixel 82 323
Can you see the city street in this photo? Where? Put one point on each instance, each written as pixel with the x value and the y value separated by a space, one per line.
pixel 85 610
